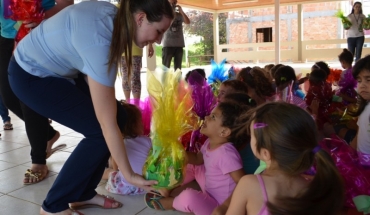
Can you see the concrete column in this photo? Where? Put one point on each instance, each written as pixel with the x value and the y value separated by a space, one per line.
pixel 300 31
pixel 277 32
pixel 151 63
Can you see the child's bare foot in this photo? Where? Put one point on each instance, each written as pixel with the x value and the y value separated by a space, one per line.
pixel 98 201
pixel 66 212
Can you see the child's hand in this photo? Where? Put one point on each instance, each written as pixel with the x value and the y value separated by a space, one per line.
pixel 30 24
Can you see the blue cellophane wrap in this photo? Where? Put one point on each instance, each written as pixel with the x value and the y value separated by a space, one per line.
pixel 219 74
pixel 172 116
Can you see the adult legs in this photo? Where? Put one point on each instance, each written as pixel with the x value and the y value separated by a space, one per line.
pixel 178 57
pixel 351 43
pixel 38 128
pixel 126 84
pixel 167 54
pixel 4 113
pixel 359 44
pixel 135 77
pixel 70 105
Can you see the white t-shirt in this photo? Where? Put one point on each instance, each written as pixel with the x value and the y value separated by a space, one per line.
pixel 363 136
pixel 77 39
pixel 356 21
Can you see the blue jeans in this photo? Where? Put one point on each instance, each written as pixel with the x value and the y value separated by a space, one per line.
pixel 4 112
pixel 70 105
pixel 356 43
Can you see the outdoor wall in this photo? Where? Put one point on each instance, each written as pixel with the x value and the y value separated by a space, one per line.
pixel 319 23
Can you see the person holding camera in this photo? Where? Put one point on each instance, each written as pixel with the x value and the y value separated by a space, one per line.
pixel 173 40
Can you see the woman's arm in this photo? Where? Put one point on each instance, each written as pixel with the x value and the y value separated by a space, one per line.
pixel 105 107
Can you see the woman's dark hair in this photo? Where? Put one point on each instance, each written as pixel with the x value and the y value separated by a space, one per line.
pixel 256 79
pixel 124 27
pixel 346 56
pixel 274 69
pixel 231 111
pixel 322 65
pixel 362 65
pixel 353 10
pixel 237 85
pixel 317 76
pixel 284 74
pixel 291 142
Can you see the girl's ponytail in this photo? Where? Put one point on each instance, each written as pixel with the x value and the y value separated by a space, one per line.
pixel 324 195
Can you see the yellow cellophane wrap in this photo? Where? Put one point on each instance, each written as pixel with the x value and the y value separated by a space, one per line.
pixel 172 117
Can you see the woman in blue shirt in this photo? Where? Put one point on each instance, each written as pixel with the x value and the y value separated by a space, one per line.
pixel 69 77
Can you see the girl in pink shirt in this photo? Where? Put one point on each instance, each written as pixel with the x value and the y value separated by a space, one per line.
pixel 285 137
pixel 217 167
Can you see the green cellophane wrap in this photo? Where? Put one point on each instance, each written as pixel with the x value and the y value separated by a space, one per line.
pixel 345 21
pixel 366 23
pixel 172 117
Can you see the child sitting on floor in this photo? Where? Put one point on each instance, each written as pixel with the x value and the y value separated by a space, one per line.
pixel 347 82
pixel 285 137
pixel 217 167
pixel 231 86
pixel 137 149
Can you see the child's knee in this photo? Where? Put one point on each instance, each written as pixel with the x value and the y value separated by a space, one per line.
pixel 186 199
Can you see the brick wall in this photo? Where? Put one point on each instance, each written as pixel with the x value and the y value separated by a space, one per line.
pixel 318 26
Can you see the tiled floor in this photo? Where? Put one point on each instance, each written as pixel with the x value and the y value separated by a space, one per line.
pixel 16 198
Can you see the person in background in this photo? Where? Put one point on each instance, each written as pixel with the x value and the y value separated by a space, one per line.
pixel 173 40
pixel 355 34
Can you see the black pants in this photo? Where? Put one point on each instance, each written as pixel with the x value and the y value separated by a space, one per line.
pixel 38 128
pixel 356 43
pixel 172 52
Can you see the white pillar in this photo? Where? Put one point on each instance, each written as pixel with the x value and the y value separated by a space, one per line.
pixel 151 63
pixel 277 32
pixel 300 31
pixel 216 38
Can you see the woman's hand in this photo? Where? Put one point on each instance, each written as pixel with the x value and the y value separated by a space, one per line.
pixel 139 181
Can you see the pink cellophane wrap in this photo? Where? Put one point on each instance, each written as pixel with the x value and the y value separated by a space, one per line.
pixel 347 85
pixel 356 176
pixel 146 112
pixel 204 101
pixel 288 95
pixel 25 10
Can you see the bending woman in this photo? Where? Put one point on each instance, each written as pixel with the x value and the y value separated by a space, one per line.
pixel 92 36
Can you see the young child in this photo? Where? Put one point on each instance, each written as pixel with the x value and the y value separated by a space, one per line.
pixel 137 149
pixel 199 71
pixel 285 137
pixel 231 86
pixel 361 71
pixel 259 87
pixel 217 167
pixel 347 82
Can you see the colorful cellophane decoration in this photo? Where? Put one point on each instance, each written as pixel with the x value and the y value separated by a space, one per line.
pixel 366 23
pixel 204 101
pixel 146 112
pixel 218 75
pixel 345 21
pixel 25 10
pixel 172 117
pixel 334 75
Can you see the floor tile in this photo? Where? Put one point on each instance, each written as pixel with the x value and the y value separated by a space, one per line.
pixel 6 165
pixel 10 205
pixel 19 156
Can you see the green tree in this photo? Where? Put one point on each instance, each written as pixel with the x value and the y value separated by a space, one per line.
pixel 201 24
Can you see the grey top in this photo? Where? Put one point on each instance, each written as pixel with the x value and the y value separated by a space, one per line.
pixel 174 36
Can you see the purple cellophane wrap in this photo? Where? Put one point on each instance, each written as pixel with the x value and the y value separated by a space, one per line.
pixel 347 85
pixel 146 112
pixel 204 101
pixel 7 12
pixel 356 177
